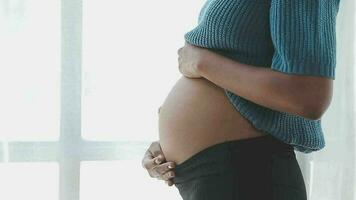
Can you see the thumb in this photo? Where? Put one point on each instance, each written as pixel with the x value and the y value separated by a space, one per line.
pixel 159 159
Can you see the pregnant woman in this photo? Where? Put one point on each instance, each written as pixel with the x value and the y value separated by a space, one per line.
pixel 257 78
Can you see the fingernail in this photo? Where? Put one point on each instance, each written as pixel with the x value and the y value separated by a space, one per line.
pixel 170 166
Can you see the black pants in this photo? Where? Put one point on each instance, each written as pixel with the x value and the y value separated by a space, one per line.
pixel 260 168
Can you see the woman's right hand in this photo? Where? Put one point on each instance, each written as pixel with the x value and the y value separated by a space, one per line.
pixel 155 163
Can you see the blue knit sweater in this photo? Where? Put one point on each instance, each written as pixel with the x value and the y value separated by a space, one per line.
pixel 289 36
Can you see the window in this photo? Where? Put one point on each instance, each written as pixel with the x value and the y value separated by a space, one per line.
pixel 81 84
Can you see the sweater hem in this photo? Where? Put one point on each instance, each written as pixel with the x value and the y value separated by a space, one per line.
pixel 304 135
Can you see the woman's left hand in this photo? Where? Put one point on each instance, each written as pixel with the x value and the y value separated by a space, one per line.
pixel 189 57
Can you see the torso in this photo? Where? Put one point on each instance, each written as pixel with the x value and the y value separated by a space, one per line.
pixel 197 114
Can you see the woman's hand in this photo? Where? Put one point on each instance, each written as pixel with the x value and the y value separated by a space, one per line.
pixel 189 57
pixel 155 163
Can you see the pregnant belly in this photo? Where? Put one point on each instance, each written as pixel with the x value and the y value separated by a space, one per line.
pixel 197 114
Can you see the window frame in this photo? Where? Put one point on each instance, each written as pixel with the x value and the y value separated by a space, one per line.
pixel 71 148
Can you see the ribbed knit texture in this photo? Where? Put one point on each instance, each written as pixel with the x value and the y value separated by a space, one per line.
pixel 289 36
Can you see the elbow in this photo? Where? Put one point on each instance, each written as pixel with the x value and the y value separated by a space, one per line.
pixel 313 112
pixel 315 109
pixel 311 96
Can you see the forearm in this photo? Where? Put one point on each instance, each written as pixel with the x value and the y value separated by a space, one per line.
pixel 260 85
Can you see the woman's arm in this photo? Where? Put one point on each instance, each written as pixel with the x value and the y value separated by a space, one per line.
pixel 300 78
pixel 306 96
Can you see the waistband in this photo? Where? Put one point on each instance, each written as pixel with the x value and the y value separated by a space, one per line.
pixel 212 160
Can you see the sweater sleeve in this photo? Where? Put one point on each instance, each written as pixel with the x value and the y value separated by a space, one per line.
pixel 304 37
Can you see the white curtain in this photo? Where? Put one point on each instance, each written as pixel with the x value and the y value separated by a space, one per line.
pixel 45 153
pixel 330 173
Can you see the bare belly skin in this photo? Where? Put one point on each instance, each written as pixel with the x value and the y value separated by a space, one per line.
pixel 197 114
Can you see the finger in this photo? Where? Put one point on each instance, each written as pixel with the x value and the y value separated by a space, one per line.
pixel 157 170
pixel 164 168
pixel 148 160
pixel 155 149
pixel 160 159
pixel 168 175
pixel 169 182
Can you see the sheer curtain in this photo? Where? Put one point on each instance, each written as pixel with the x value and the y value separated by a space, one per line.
pixel 70 127
pixel 330 173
